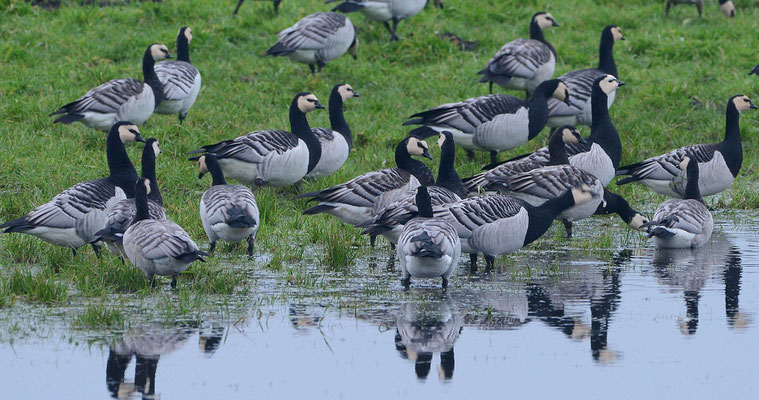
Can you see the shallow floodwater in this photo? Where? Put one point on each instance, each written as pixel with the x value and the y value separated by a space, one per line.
pixel 554 320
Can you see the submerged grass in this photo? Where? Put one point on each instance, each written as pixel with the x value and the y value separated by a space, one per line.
pixel 100 316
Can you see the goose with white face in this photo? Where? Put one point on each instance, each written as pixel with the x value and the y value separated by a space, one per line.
pixel 336 142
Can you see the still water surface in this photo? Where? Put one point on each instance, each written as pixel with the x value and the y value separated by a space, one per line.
pixel 626 324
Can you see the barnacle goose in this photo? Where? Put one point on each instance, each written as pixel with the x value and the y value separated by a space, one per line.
pixel 337 142
pixel 523 64
pixel 180 79
pixel 121 215
pixel 360 198
pixel 495 122
pixel 158 247
pixel 755 71
pixel 276 6
pixel 72 218
pixel 272 157
pixel 686 222
pixel 120 99
pixel 698 3
pixel 727 7
pixel 448 188
pixel 383 10
pixel 317 39
pixel 428 247
pixel 602 150
pixel 578 110
pixel 228 212
pixel 719 163
pixel 615 204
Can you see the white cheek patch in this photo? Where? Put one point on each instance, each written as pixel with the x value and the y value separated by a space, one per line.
pixel 412 147
pixel 188 35
pixel 156 148
pixel 147 185
pixel 202 165
pixel 440 141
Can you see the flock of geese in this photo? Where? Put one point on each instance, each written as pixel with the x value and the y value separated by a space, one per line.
pixel 430 220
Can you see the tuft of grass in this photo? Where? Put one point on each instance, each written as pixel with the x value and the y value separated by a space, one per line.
pixel 100 316
pixel 341 248
pixel 42 287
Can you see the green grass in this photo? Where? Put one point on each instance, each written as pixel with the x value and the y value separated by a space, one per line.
pixel 51 57
pixel 99 316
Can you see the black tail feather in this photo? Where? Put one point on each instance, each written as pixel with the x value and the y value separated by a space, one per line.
pixel 279 50
pixel 348 7
pixel 318 209
pixel 68 118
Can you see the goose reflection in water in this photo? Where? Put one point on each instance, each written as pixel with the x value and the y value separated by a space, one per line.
pixel 689 270
pixel 428 327
pixel 147 345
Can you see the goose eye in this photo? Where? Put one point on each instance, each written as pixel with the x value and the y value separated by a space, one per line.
pixel 133 131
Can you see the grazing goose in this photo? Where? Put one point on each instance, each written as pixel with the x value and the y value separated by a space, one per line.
pixel 556 146
pixel 180 79
pixel 317 39
pixel 437 3
pixel 548 182
pixel 276 158
pixel 495 122
pixel 72 218
pixel 120 99
pixel 686 222
pixel 602 150
pixel 727 7
pixel 383 11
pixel 578 110
pixel 448 188
pixel 228 212
pixel 523 64
pixel 360 198
pixel 121 215
pixel 615 204
pixel 336 143
pixel 719 163
pixel 428 247
pixel 276 6
pixel 158 246
pixel 755 71
pixel 698 3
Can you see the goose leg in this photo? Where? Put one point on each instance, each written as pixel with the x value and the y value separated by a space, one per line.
pixel 666 10
pixel 389 29
pixel 96 249
pixel 238 7
pixel 313 68
pixel 473 263
pixel 73 252
pixel 489 263
pixel 151 278
pixel 372 240
pixel 491 87
pixel 320 65
pixel 493 157
pixel 395 27
pixel 251 246
pixel 181 117
pixel 276 5
pixel 470 154
pixel 392 246
pixel 700 6
pixel 212 248
pixel 445 283
pixel 173 281
pixel 567 227
pixel 406 279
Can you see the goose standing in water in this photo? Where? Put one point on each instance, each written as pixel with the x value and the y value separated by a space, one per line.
pixel 385 11
pixel 158 247
pixel 337 142
pixel 495 122
pixel 272 157
pixel 180 79
pixel 523 64
pixel 428 247
pixel 228 212
pixel 719 163
pixel 120 99
pixel 72 218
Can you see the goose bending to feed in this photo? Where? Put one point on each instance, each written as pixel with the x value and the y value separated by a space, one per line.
pixel 727 7
pixel 495 122
pixel 385 11
pixel 120 99
pixel 276 6
pixel 360 198
pixel 158 247
pixel 72 218
pixel 523 64
pixel 428 247
pixel 719 163
pixel 578 110
pixel 272 157
pixel 317 39
pixel 448 188
pixel 698 3
pixel 337 142
pixel 686 222
pixel 122 213
pixel 228 212
pixel 615 204
pixel 180 79
pixel 602 150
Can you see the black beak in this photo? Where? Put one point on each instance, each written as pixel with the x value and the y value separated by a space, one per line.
pixel 319 105
pixel 582 140
pixel 427 154
pixel 139 138
pixel 555 23
pixel 168 55
pixel 200 175
pixel 622 38
pixel 753 105
pixel 355 94
pixel 620 83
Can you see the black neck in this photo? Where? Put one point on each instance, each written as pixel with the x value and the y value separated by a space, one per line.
pixel 300 128
pixel 183 48
pixel 602 130
pixel 122 171
pixel 732 148
pixel 537 34
pixel 148 171
pixel 151 78
pixel 141 203
pixel 216 173
pixel 606 55
pixel 542 217
pixel 557 153
pixel 692 191
pixel 415 167
pixel 537 111
pixel 615 204
pixel 423 203
pixel 447 176
pixel 337 119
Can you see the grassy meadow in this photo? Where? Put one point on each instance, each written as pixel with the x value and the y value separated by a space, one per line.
pixel 680 72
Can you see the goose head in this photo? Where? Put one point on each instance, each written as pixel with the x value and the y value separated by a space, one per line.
pixel 727 7
pixel 742 103
pixel 614 32
pixel 159 52
pixel 561 91
pixel 307 102
pixel 153 144
pixel 570 134
pixel 186 32
pixel 608 84
pixel 142 186
pixel 346 91
pixel 416 146
pixel 443 138
pixel 128 132
pixel 544 20
pixel 203 165
pixel 637 222
pixel 353 50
